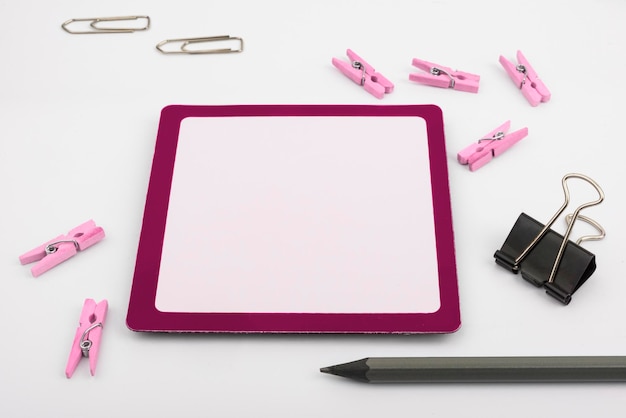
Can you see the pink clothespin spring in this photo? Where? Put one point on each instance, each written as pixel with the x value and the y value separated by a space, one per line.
pixel 88 335
pixel 439 76
pixel 63 247
pixel 525 77
pixel 491 145
pixel 364 74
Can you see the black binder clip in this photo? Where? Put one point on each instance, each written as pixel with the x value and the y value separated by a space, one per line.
pixel 548 259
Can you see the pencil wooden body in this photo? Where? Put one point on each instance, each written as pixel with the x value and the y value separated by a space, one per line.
pixel 483 369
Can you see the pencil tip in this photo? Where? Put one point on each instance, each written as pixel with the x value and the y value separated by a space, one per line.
pixel 356 370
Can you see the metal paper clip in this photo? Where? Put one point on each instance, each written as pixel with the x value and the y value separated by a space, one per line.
pixel 95 26
pixel 186 43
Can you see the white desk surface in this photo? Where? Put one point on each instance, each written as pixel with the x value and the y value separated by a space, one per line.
pixel 79 117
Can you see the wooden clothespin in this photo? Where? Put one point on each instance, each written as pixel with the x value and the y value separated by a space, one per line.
pixel 88 336
pixel 526 78
pixel 63 247
pixel 490 146
pixel 439 76
pixel 364 74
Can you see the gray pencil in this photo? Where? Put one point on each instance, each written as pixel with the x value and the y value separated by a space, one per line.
pixel 483 369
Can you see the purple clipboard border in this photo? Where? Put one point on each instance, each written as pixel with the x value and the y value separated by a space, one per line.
pixel 144 316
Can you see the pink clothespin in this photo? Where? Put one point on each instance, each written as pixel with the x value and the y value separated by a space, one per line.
pixel 88 334
pixel 61 248
pixel 439 76
pixel 491 145
pixel 364 74
pixel 525 77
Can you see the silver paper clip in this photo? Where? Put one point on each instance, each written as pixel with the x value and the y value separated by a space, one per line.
pixel 187 43
pixel 94 25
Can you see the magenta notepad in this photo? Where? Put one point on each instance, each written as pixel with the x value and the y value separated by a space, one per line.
pixel 297 219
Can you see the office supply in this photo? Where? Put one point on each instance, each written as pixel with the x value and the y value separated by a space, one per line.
pixel 526 78
pixel 544 257
pixel 597 237
pixel 97 25
pixel 63 247
pixel 359 71
pixel 439 76
pixel 483 369
pixel 297 219
pixel 88 336
pixel 490 146
pixel 185 45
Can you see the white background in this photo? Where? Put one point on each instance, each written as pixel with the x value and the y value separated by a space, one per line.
pixel 78 123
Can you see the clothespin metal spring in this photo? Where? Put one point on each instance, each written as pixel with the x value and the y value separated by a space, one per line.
pixel 496 137
pixel 522 69
pixel 359 66
pixel 53 247
pixel 438 71
pixel 85 343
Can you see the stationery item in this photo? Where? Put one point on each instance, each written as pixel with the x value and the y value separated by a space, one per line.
pixel 439 76
pixel 185 45
pixel 98 25
pixel 525 77
pixel 63 247
pixel 490 146
pixel 483 369
pixel 359 71
pixel 297 219
pixel 546 258
pixel 88 336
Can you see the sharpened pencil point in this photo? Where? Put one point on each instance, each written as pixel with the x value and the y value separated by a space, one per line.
pixel 356 370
